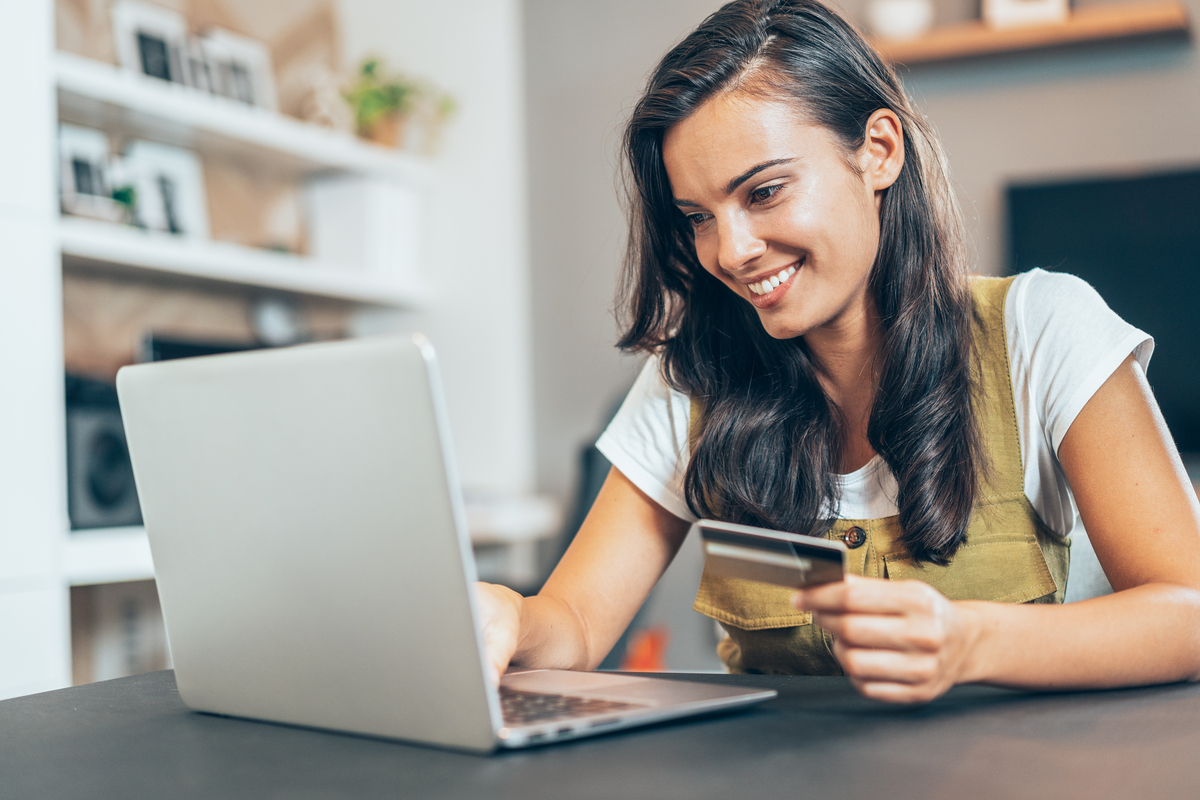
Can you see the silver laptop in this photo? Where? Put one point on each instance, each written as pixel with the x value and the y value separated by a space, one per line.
pixel 312 559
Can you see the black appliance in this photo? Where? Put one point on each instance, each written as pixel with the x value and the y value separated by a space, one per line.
pixel 1136 238
pixel 100 486
pixel 100 489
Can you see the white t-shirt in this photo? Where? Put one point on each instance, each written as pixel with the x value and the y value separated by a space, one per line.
pixel 1063 343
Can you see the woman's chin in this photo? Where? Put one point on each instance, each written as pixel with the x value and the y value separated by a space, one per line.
pixel 781 329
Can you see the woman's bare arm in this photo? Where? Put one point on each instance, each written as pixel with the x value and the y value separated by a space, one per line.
pixel 1143 519
pixel 623 547
pixel 905 642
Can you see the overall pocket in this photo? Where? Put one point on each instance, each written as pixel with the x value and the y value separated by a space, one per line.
pixel 1003 568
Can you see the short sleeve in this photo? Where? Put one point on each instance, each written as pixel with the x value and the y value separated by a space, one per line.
pixel 1065 343
pixel 647 439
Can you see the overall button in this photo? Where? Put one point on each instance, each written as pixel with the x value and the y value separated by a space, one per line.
pixel 855 537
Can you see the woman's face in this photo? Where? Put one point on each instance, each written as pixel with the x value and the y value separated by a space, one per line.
pixel 778 214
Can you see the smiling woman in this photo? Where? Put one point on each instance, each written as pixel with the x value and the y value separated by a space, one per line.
pixel 821 362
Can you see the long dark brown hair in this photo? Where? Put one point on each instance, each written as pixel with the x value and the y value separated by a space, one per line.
pixel 768 446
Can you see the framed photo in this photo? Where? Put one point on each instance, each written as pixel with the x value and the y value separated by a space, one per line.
pixel 85 174
pixel 151 40
pixel 199 71
pixel 1017 13
pixel 169 184
pixel 239 68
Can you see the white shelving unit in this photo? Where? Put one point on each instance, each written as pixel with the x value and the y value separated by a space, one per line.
pixel 87 243
pixel 108 555
pixel 40 558
pixel 126 104
pixel 130 106
pixel 505 530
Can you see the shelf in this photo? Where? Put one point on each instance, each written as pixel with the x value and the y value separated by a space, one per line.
pixel 108 555
pixel 510 519
pixel 112 555
pixel 1090 24
pixel 87 242
pixel 127 104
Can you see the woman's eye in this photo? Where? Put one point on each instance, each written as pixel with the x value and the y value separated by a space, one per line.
pixel 763 193
pixel 697 220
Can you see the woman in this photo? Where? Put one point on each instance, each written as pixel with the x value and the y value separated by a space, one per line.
pixel 820 363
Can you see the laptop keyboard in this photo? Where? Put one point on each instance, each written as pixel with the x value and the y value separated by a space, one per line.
pixel 522 708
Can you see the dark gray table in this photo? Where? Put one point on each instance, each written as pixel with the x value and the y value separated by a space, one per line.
pixel 133 738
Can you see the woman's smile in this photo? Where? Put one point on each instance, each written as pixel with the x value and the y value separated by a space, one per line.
pixel 766 291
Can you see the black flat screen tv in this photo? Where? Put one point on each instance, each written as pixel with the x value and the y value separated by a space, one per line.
pixel 1137 240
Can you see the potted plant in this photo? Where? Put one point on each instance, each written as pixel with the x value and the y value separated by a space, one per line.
pixel 381 102
pixel 385 104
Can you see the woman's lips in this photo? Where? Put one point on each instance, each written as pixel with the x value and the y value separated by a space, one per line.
pixel 769 291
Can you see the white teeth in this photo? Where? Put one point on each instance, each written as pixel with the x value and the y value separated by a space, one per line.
pixel 767 285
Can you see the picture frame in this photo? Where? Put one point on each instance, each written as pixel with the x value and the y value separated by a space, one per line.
pixel 239 68
pixel 1019 13
pixel 156 42
pixel 85 174
pixel 151 40
pixel 169 184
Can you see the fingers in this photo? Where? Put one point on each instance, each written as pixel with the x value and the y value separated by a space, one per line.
pixel 500 623
pixel 891 666
pixel 922 633
pixel 898 641
pixel 856 594
pixel 499 648
pixel 888 692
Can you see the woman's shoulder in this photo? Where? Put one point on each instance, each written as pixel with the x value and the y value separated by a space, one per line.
pixel 1037 287
pixel 1043 306
pixel 1063 343
pixel 647 439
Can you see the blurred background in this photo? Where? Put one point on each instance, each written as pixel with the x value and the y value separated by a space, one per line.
pixel 195 176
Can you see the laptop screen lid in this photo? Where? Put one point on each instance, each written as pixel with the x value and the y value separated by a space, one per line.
pixel 309 540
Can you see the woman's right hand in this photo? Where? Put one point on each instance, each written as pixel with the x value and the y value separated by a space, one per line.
pixel 500 614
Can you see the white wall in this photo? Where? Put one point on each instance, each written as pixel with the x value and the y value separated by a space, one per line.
pixel 587 62
pixel 476 247
pixel 1123 107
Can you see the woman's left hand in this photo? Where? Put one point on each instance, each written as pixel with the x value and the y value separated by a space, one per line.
pixel 899 641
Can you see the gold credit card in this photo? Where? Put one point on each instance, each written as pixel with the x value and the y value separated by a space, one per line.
pixel 767 556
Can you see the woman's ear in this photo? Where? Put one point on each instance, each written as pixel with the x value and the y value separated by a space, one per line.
pixel 883 150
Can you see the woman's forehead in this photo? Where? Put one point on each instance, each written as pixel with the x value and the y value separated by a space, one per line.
pixel 731 133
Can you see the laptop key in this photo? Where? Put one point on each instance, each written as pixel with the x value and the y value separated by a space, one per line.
pixel 522 708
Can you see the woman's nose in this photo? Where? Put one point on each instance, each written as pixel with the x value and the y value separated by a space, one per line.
pixel 739 245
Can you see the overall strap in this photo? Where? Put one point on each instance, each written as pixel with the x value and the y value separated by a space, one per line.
pixel 994 407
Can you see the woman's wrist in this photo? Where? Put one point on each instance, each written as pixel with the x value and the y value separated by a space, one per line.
pixel 980 626
pixel 549 635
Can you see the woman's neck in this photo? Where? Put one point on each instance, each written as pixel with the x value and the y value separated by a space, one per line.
pixel 847 358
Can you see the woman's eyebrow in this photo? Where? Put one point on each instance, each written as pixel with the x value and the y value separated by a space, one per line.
pixel 750 173
pixel 732 186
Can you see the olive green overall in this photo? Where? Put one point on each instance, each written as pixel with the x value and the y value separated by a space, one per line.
pixel 1009 556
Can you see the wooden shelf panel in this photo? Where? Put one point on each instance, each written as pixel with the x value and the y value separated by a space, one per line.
pixel 135 106
pixel 1090 24
pixel 89 243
